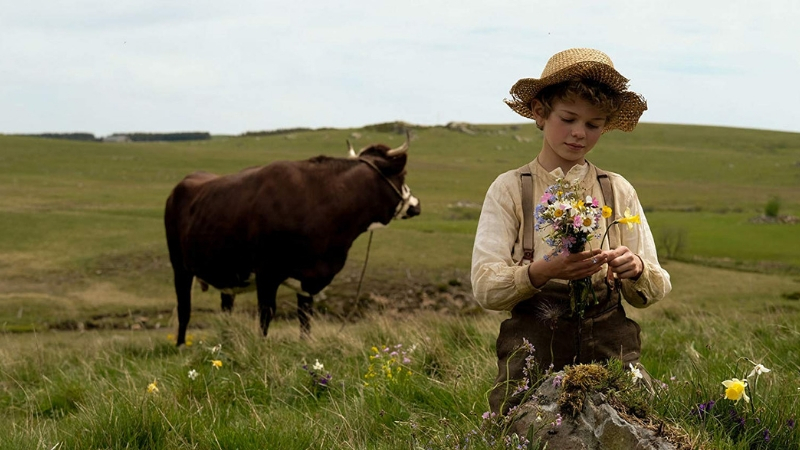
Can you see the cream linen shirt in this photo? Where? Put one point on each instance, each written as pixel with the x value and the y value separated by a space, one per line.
pixel 499 282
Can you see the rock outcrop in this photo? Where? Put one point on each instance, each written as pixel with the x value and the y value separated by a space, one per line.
pixel 597 425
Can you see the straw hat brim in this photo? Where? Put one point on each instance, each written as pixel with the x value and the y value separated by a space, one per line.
pixel 632 105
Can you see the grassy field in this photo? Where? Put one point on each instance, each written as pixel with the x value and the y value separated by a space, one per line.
pixel 86 302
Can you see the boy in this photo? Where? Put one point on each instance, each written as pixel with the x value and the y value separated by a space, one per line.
pixel 579 97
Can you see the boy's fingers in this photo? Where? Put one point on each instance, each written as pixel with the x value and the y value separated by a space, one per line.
pixel 587 254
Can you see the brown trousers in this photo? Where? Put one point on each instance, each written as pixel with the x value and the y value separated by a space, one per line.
pixel 605 332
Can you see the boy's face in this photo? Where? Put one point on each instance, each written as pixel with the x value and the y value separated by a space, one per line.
pixel 570 131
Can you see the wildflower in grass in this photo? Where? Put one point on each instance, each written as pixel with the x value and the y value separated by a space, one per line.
pixel 515 441
pixel 766 435
pixel 215 349
pixel 790 423
pixel 758 370
pixel 152 388
pixel 389 363
pixel 703 409
pixel 636 374
pixel 736 418
pixel 734 389
pixel 193 374
pixel 215 363
pixel 319 382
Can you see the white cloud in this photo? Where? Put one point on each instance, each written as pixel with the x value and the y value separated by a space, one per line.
pixel 105 67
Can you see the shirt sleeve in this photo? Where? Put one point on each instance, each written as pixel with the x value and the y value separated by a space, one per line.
pixel 498 283
pixel 654 282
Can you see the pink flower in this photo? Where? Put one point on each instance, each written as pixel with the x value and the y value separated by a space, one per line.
pixel 546 197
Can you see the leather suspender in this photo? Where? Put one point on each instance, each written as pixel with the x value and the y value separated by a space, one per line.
pixel 608 197
pixel 526 177
pixel 527 213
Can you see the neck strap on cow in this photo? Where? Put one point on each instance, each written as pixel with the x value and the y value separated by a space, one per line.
pixel 405 194
pixel 371 164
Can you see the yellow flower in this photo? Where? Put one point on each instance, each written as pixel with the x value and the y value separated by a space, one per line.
pixel 606 212
pixel 734 389
pixel 152 388
pixel 216 363
pixel 629 219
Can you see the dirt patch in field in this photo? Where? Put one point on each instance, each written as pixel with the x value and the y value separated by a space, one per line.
pixel 134 292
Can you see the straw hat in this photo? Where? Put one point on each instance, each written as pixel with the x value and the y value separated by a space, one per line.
pixel 577 63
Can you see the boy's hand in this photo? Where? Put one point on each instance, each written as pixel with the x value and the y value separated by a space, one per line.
pixel 623 263
pixel 573 266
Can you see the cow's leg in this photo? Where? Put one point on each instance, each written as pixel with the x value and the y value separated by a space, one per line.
pixel 305 301
pixel 305 311
pixel 227 301
pixel 266 292
pixel 183 290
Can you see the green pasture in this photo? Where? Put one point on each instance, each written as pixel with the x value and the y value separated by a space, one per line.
pixel 82 247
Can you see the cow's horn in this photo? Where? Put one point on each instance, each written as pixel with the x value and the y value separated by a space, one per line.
pixel 352 153
pixel 402 149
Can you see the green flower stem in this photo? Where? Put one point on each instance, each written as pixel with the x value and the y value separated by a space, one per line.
pixel 605 235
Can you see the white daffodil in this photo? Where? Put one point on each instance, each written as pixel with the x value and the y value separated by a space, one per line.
pixel 636 374
pixel 758 370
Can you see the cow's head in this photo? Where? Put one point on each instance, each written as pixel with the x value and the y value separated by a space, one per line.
pixel 390 163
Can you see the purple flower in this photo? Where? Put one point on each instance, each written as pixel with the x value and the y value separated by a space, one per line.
pixel 704 408
pixel 790 423
pixel 736 418
pixel 528 346
pixel 766 434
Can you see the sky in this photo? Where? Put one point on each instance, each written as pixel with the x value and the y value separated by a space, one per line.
pixel 107 67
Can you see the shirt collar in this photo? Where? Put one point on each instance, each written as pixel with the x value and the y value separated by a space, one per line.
pixel 576 172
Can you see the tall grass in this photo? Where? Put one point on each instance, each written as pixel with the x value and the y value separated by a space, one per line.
pixel 91 391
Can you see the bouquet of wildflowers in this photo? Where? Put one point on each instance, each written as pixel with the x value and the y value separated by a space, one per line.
pixel 573 221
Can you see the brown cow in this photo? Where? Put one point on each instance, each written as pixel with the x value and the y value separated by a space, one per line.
pixel 288 219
